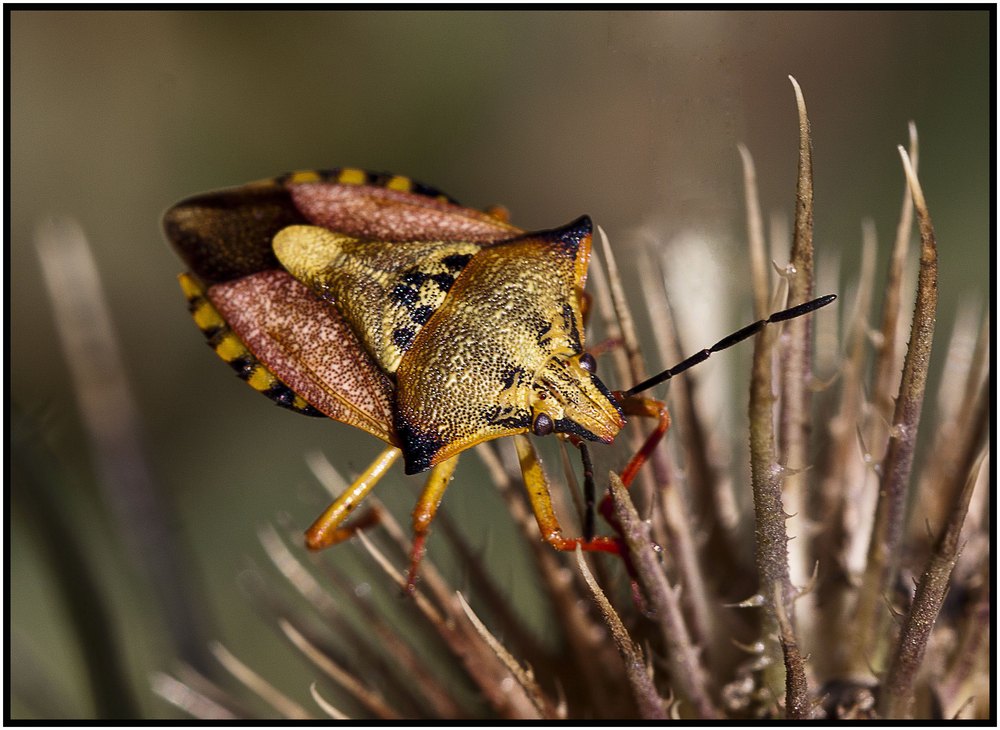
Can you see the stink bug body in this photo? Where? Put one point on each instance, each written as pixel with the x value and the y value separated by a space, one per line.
pixel 381 303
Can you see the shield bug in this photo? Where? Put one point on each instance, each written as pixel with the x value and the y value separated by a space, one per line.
pixel 382 303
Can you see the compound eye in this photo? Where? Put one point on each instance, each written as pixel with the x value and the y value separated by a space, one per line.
pixel 543 425
pixel 588 363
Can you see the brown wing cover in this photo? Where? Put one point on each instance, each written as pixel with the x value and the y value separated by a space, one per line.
pixel 380 214
pixel 225 235
pixel 309 346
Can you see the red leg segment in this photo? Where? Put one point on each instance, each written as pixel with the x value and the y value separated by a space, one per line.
pixel 423 514
pixel 647 408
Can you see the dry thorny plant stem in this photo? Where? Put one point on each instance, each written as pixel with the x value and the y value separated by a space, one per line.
pixel 796 363
pixel 682 613
pixel 884 548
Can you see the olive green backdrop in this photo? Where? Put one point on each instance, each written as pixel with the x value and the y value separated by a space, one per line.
pixel 633 118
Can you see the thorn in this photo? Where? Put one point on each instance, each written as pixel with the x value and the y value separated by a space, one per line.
pixel 757 647
pixel 808 587
pixel 791 471
pixel 866 454
pixel 819 385
pixel 897 615
pixel 754 601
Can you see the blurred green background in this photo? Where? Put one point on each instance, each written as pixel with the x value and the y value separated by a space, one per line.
pixel 633 118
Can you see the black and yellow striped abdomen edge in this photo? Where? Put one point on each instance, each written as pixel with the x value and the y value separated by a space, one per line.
pixel 357 176
pixel 232 350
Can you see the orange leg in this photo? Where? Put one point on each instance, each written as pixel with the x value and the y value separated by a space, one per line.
pixel 647 408
pixel 423 514
pixel 328 528
pixel 537 485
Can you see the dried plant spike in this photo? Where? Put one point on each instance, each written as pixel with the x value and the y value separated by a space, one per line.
pixel 915 190
pixel 841 468
pixel 959 384
pixel 604 306
pixel 114 428
pixel 287 707
pixel 973 653
pixel 980 359
pixel 713 505
pixel 766 476
pixel 797 702
pixel 188 699
pixel 686 667
pixel 802 243
pixel 346 679
pixel 896 467
pixel 887 532
pixel 900 682
pixel 479 661
pixel 796 352
pixel 755 235
pixel 887 368
pixel 577 626
pixel 523 675
pixel 295 573
pixel 399 579
pixel 622 310
pixel 651 705
pixel 325 704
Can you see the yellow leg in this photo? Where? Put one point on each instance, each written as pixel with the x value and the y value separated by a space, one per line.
pixel 541 503
pixel 327 529
pixel 424 511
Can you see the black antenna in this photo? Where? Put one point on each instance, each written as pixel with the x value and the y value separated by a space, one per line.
pixel 730 340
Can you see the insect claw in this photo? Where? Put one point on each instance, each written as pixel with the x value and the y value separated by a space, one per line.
pixel 320 536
